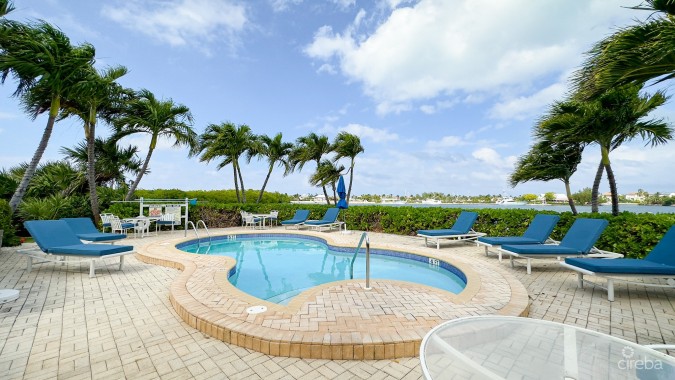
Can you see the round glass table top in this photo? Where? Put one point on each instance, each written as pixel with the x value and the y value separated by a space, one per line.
pixel 494 347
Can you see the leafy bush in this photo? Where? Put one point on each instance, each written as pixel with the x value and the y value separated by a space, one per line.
pixel 212 196
pixel 9 238
pixel 54 207
pixel 631 234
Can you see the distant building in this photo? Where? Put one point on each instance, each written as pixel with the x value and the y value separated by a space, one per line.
pixel 560 198
pixel 635 197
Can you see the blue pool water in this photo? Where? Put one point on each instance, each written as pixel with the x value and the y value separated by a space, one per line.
pixel 277 268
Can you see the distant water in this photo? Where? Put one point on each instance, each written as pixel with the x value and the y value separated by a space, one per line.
pixel 559 208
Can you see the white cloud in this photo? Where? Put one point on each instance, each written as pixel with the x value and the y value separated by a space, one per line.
pixel 435 48
pixel 282 5
pixel 524 107
pixel 327 68
pixel 490 157
pixel 376 135
pixel 345 4
pixel 444 149
pixel 182 22
pixel 7 115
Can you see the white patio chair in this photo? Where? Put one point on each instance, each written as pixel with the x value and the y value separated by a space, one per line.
pixel 253 222
pixel 117 225
pixel 165 220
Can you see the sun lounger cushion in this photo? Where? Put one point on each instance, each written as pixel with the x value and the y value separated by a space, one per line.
pixel 89 249
pixel 502 240
pixel 85 229
pixel 541 227
pixel 583 234
pixel 542 249
pixel 621 266
pixel 54 236
pixel 462 226
pixel 660 261
pixel 329 217
pixel 445 232
pixel 299 217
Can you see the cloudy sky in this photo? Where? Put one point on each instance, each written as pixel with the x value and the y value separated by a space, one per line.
pixel 442 93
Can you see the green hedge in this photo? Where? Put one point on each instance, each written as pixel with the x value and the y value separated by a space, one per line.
pixel 631 234
pixel 9 238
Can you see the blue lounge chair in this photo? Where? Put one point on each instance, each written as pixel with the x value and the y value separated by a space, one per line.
pixel 659 263
pixel 578 241
pixel 537 233
pixel 57 242
pixel 85 229
pixel 329 220
pixel 298 219
pixel 462 230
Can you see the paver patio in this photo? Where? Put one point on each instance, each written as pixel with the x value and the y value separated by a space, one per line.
pixel 122 324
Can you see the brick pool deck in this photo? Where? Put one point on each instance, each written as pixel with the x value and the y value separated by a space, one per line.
pixel 123 324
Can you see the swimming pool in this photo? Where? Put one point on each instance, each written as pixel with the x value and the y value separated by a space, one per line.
pixel 276 267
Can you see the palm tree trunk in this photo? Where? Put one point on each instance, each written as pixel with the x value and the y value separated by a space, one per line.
pixel 351 177
pixel 596 187
pixel 18 195
pixel 241 181
pixel 269 173
pixel 334 193
pixel 612 188
pixel 570 200
pixel 91 167
pixel 236 181
pixel 132 189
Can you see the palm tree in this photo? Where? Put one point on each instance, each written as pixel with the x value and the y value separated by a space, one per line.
pixel 6 6
pixel 613 118
pixel 112 161
pixel 227 141
pixel 634 54
pixel 46 66
pixel 94 92
pixel 275 151
pixel 327 173
pixel 348 145
pixel 158 118
pixel 547 161
pixel 311 148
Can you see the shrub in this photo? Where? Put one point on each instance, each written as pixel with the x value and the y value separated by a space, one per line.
pixel 9 238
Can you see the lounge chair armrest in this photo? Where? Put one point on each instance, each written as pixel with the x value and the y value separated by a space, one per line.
pixel 599 253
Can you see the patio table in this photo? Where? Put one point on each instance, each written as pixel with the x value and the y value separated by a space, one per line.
pixel 500 347
pixel 136 220
pixel 263 217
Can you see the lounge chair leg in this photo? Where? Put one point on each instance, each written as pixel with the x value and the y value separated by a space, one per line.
pixel 499 254
pixel 438 243
pixel 91 269
pixel 486 250
pixel 529 267
pixel 610 289
pixel 513 265
pixel 29 264
pixel 580 280
pixel 121 262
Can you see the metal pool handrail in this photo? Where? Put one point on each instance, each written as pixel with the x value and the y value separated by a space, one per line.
pixel 364 236
pixel 205 228
pixel 194 228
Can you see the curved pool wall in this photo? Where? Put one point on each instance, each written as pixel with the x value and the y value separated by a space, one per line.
pixel 339 320
pixel 452 284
